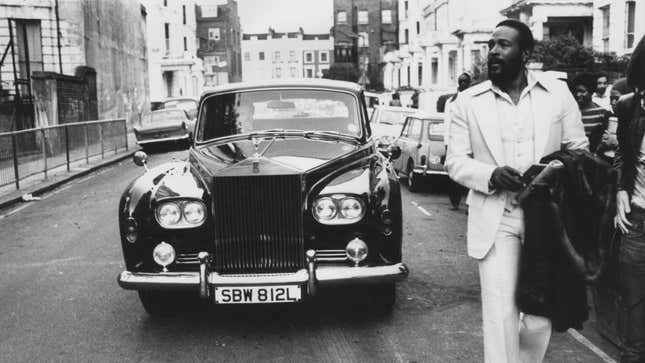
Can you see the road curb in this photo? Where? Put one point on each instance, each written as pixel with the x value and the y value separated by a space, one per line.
pixel 45 187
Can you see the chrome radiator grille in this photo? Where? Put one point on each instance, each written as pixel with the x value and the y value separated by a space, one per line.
pixel 258 224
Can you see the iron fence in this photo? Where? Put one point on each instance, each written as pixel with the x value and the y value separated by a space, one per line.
pixel 26 153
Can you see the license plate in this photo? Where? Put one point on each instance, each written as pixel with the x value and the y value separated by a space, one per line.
pixel 257 294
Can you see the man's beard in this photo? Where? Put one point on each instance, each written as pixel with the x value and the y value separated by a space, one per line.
pixel 501 72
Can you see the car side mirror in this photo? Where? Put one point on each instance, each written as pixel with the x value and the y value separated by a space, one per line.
pixel 140 158
pixel 394 152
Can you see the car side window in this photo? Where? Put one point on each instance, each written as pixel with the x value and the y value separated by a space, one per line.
pixel 415 130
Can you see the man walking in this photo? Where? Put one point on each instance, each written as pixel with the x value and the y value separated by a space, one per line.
pixel 498 129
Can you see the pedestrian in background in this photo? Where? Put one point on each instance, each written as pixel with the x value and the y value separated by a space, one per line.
pixel 498 129
pixel 455 190
pixel 603 91
pixel 630 210
pixel 594 117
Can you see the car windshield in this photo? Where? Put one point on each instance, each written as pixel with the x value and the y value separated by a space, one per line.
pixel 163 117
pixel 391 117
pixel 269 110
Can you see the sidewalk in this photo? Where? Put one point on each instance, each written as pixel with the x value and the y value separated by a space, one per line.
pixel 37 184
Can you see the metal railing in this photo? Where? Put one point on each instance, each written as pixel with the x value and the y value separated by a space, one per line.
pixel 27 153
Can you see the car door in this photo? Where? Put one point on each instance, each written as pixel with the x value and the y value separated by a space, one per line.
pixel 414 141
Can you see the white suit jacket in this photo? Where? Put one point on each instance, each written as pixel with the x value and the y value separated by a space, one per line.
pixel 475 148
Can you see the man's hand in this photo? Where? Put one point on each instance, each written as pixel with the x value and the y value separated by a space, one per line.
pixel 609 139
pixel 506 178
pixel 622 210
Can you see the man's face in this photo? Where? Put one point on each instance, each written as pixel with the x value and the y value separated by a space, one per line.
pixel 582 95
pixel 463 82
pixel 601 85
pixel 505 57
pixel 613 98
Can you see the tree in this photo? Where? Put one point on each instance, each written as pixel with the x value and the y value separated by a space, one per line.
pixel 563 53
pixel 343 72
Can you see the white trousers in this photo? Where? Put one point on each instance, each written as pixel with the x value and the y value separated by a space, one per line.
pixel 508 336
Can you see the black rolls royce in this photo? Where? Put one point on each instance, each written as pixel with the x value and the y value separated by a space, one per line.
pixel 283 193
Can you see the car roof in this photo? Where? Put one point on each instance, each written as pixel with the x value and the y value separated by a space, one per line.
pixel 286 83
pixel 176 99
pixel 397 108
pixel 161 110
pixel 428 115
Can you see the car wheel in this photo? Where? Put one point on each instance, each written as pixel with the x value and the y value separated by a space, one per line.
pixel 163 303
pixel 413 180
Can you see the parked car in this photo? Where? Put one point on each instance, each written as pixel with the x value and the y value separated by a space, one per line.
pixel 374 99
pixel 187 104
pixel 164 126
pixel 387 122
pixel 282 194
pixel 423 151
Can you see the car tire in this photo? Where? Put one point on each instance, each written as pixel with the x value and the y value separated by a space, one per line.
pixel 163 303
pixel 413 180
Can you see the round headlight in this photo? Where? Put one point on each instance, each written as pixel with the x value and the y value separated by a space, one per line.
pixel 168 214
pixel 163 254
pixel 325 209
pixel 351 208
pixel 194 212
pixel 356 250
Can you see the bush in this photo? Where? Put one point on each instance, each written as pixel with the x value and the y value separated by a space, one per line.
pixel 563 53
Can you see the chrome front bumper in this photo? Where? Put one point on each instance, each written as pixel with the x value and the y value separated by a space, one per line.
pixel 312 277
pixel 425 170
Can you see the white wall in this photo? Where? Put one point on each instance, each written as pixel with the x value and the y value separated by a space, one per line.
pixel 617 25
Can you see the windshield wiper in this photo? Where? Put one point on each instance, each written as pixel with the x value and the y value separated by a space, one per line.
pixel 330 135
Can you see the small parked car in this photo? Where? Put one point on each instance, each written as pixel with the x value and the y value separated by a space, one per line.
pixel 387 123
pixel 283 194
pixel 163 126
pixel 187 104
pixel 423 151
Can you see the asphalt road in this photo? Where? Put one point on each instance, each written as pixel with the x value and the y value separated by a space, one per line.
pixel 59 300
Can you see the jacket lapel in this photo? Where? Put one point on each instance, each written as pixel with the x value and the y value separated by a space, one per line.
pixel 541 120
pixel 485 113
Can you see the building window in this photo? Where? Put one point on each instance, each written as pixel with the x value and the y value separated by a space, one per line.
pixel 386 16
pixel 406 33
pixel 209 11
pixel 276 56
pixel 435 70
pixel 341 17
pixel 293 72
pixel 165 2
pixel 452 65
pixel 405 9
pixel 213 34
pixel 418 28
pixel 166 31
pixel 362 17
pixel 476 57
pixel 292 55
pixel 247 56
pixel 324 57
pixel 629 34
pixel 278 72
pixel 605 11
pixel 310 73
pixel 261 56
pixel 183 13
pixel 185 44
pixel 363 40
pixel 309 57
pixel 214 69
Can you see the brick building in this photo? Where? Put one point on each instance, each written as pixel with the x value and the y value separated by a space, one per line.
pixel 106 36
pixel 219 33
pixel 364 31
pixel 275 55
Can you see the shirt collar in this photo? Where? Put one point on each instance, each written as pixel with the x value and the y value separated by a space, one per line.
pixel 531 82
